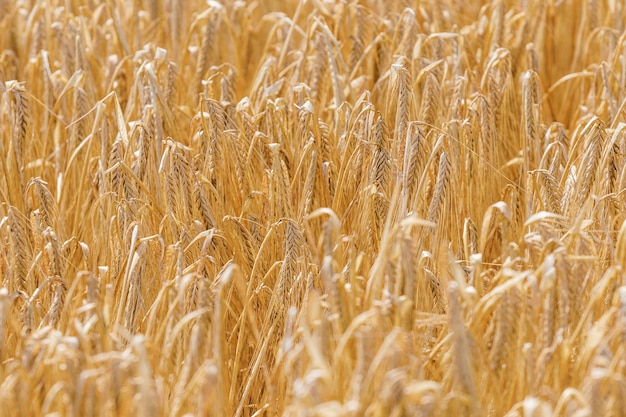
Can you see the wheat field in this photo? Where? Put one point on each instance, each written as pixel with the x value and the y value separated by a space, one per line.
pixel 312 208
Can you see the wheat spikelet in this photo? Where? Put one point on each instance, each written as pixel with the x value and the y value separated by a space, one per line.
pixel 318 79
pixel 333 67
pixel 549 191
pixel 590 160
pixel 305 114
pixel 53 315
pixel 212 133
pixel 569 188
pixel 610 165
pixel 441 187
pixel 289 285
pixel 415 157
pixel 49 211
pixel 228 86
pixel 487 135
pixel 202 206
pixel 115 158
pixel 248 242
pixel 53 252
pixel 21 244
pixel 430 102
pixel 66 34
pixel 470 238
pixel 381 160
pixel 19 116
pixel 530 117
pixel 309 184
pixel 27 318
pixel 279 191
pixel 19 122
pixel 181 174
pixel 380 171
pixel 402 110
pixel 206 52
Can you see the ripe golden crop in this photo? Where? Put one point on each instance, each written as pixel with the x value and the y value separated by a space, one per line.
pixel 312 208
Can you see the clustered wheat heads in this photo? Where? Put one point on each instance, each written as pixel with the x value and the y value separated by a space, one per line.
pixel 378 208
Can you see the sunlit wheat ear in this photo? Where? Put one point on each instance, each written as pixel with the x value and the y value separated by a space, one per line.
pixel 81 120
pixel 115 158
pixel 530 119
pixel 46 201
pixel 497 80
pixel 27 319
pixel 291 283
pixel 183 179
pixel 431 98
pixel 487 135
pixel 319 71
pixel 550 193
pixel 309 183
pixel 594 136
pixel 470 238
pixel 213 132
pixel 280 197
pixel 611 161
pixel 380 172
pixel 333 64
pixel 415 156
pixel 19 117
pixel 20 241
pixel 381 158
pixel 202 205
pixel 470 248
pixel 206 52
pixel 228 86
pixel 495 220
pixel 247 241
pixel 441 187
pixel 571 179
pixel 53 254
pixel 404 98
